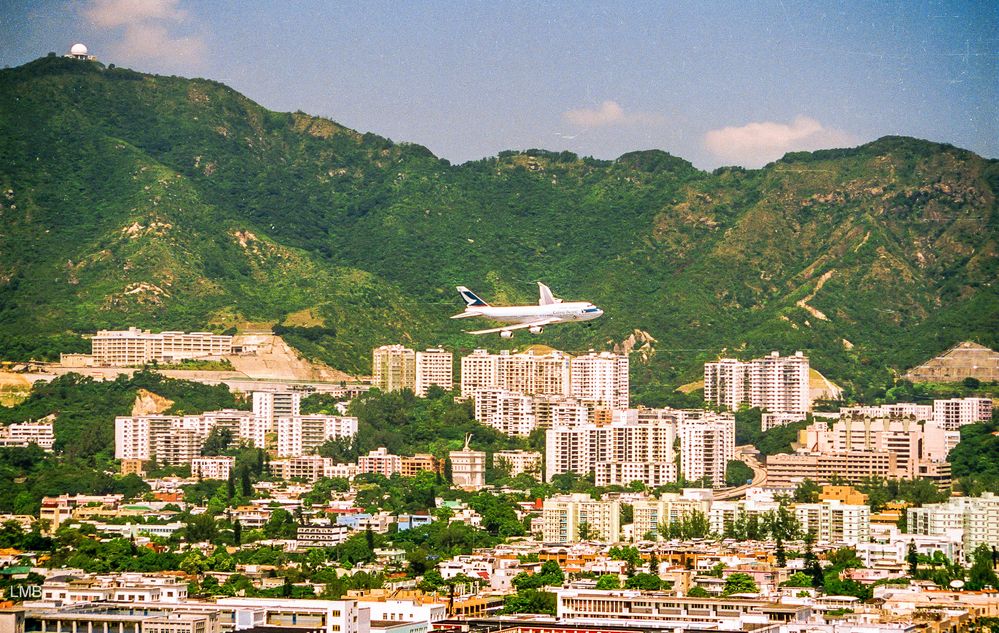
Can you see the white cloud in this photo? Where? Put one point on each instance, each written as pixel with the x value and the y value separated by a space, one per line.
pixel 110 13
pixel 149 30
pixel 758 143
pixel 610 113
pixel 149 41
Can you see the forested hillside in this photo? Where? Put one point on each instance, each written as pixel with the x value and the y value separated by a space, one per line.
pixel 164 202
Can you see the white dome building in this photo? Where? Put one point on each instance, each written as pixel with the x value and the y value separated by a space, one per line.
pixel 80 51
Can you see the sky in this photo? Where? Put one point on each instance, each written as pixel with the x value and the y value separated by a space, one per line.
pixel 714 82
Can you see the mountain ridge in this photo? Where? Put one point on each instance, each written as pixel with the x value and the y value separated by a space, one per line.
pixel 176 203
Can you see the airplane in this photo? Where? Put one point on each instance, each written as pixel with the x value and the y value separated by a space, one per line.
pixel 550 310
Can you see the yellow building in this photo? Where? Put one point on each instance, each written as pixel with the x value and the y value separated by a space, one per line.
pixel 847 495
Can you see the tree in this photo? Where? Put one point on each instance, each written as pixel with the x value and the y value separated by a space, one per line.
pixel 194 563
pixel 628 553
pixel 912 557
pixel 982 573
pixel 780 554
pixel 812 566
pixel 737 473
pixel 218 441
pixel 530 601
pixel 807 492
pixel 237 532
pixel 201 527
pixel 552 573
pixel 587 532
pixel 280 525
pixel 645 582
pixel 244 481
pixel 798 579
pixel 834 585
pixel 844 558
pixel 693 524
pixel 739 583
pixel 608 581
pixel 698 592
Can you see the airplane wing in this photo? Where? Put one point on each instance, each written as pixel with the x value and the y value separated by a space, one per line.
pixel 518 326
pixel 545 296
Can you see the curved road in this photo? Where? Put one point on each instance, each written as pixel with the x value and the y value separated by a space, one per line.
pixel 747 455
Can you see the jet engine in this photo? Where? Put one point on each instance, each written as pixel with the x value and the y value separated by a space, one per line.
pixel 535 329
pixel 506 334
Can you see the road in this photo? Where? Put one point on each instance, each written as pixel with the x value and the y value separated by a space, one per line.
pixel 747 455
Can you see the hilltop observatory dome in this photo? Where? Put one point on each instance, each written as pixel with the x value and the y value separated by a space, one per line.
pixel 79 51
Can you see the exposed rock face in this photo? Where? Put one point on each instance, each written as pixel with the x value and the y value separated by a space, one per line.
pixel 275 359
pixel 964 360
pixel 148 403
pixel 638 341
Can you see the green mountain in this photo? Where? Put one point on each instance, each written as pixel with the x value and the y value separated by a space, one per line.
pixel 164 202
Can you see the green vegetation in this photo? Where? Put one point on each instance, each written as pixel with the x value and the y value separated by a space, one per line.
pixel 85 408
pixel 195 365
pixel 693 524
pixel 915 491
pixel 737 473
pixel 739 583
pixel 798 579
pixel 927 392
pixel 975 460
pixel 646 582
pixel 84 428
pixel 530 597
pixel 132 199
pixel 748 430
pixel 406 424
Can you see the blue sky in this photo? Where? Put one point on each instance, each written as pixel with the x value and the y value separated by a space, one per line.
pixel 713 82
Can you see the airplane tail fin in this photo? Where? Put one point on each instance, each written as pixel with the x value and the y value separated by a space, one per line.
pixel 546 297
pixel 471 299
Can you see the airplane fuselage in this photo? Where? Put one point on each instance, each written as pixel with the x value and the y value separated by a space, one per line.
pixel 549 310
pixel 570 311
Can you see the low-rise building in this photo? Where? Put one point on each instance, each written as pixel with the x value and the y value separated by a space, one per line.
pixel 393 367
pixel 55 510
pixel 835 522
pixel 519 462
pixel 954 413
pixel 305 434
pixel 212 467
pixel 790 469
pixel 309 468
pixel 28 433
pixel 468 467
pixel 976 519
pixel 641 608
pixel 133 347
pixel 435 366
pixel 379 462
pixel 419 463
pixel 310 536
pixel 579 517
pixel 650 514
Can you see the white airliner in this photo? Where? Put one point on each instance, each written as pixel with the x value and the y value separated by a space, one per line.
pixel 550 310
